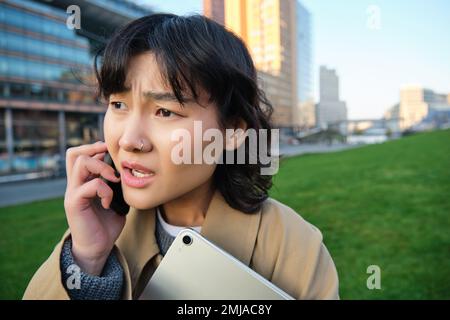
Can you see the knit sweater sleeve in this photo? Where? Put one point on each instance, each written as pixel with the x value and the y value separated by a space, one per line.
pixel 83 286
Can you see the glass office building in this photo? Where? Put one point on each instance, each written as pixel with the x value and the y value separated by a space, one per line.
pixel 304 53
pixel 47 100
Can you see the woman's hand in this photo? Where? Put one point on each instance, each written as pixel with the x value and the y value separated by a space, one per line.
pixel 93 226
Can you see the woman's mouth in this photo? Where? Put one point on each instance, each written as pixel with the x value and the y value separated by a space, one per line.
pixel 137 179
pixel 140 174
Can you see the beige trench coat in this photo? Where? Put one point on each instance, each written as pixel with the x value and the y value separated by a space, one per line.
pixel 276 242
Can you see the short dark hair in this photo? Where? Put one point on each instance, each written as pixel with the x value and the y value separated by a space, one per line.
pixel 196 52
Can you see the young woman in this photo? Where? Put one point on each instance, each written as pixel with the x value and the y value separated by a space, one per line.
pixel 159 74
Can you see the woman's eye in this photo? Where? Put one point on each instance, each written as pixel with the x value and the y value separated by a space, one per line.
pixel 164 113
pixel 117 104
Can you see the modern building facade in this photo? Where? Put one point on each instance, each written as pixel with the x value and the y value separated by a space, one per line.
pixel 413 107
pixel 418 104
pixel 307 112
pixel 278 35
pixel 215 9
pixel 330 108
pixel 47 100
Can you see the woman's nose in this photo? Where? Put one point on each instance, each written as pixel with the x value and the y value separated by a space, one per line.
pixel 135 140
pixel 134 137
pixel 135 144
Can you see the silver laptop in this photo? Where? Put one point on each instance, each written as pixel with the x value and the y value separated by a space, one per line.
pixel 195 268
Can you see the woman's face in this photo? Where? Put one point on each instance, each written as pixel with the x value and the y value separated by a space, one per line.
pixel 138 114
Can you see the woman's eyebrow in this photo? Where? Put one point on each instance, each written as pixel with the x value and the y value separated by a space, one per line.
pixel 163 96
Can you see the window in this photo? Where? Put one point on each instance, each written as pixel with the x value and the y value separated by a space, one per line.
pixel 52 94
pixel 19 90
pixel 37 91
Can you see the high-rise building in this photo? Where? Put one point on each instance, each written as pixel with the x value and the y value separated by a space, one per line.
pixel 416 103
pixel 330 109
pixel 307 112
pixel 47 100
pixel 214 9
pixel 277 33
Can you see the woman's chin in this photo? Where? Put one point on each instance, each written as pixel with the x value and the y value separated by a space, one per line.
pixel 139 203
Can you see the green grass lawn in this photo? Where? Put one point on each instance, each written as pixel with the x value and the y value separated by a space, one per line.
pixel 385 205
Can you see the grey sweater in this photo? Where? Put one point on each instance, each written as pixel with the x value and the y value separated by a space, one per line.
pixel 109 285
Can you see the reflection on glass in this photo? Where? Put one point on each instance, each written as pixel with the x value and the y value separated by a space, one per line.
pixel 35 140
pixel 81 129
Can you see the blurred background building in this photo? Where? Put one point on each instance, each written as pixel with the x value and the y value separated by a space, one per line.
pixel 215 9
pixel 330 109
pixel 47 95
pixel 307 109
pixel 278 35
pixel 420 108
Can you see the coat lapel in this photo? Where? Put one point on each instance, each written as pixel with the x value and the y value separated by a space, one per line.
pixel 137 241
pixel 231 229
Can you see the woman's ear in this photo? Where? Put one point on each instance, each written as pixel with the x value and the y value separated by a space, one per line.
pixel 236 136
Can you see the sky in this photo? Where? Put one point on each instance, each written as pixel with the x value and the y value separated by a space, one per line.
pixel 376 47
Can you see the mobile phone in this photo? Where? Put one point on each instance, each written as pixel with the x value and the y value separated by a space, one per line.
pixel 118 203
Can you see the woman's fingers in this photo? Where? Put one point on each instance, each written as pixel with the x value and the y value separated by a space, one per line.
pixel 88 149
pixel 100 156
pixel 86 167
pixel 95 188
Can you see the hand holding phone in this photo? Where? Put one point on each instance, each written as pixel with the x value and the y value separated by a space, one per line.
pixel 94 225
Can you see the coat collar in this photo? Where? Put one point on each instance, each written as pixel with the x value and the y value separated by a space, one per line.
pixel 230 229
